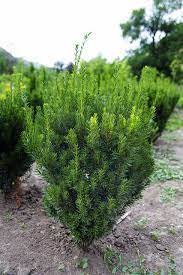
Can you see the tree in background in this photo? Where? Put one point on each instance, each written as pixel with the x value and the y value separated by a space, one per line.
pixel 3 64
pixel 159 36
pixel 59 66
pixel 7 61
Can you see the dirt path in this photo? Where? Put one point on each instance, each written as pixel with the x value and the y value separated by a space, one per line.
pixel 150 238
pixel 32 243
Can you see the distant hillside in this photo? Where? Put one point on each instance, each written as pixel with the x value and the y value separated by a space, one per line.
pixel 7 61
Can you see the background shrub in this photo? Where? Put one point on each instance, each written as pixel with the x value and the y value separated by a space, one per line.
pixel 92 146
pixel 35 80
pixel 14 161
pixel 162 94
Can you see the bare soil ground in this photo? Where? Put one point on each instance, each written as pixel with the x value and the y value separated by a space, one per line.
pixel 151 234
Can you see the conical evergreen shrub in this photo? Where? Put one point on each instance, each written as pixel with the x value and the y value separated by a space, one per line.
pixel 91 144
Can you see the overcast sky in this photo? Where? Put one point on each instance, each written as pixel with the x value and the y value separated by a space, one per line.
pixel 45 31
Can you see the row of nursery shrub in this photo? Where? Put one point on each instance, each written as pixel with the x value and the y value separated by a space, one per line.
pixel 162 94
pixel 91 139
pixel 14 161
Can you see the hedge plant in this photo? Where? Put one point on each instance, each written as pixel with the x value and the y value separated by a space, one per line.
pixel 14 161
pixel 92 146
pixel 35 80
pixel 162 94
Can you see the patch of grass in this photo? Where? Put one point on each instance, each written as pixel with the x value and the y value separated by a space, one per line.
pixel 114 261
pixel 82 263
pixel 61 268
pixel 141 223
pixel 164 170
pixel 172 230
pixel 169 136
pixel 155 236
pixel 8 216
pixel 23 226
pixel 172 266
pixel 174 123
pixel 168 194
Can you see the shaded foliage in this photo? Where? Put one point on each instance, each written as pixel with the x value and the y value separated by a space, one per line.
pixel 14 161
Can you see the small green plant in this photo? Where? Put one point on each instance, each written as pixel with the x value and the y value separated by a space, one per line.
pixel 61 268
pixel 172 266
pixel 82 263
pixel 116 265
pixel 141 263
pixel 155 236
pixel 113 259
pixel 168 194
pixel 172 230
pixel 8 216
pixel 141 223
pixel 23 226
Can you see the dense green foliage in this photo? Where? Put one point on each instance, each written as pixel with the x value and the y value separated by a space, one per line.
pixel 89 143
pixel 162 93
pixel 177 67
pixel 104 70
pixel 14 161
pixel 35 80
pixel 159 36
pixel 90 132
